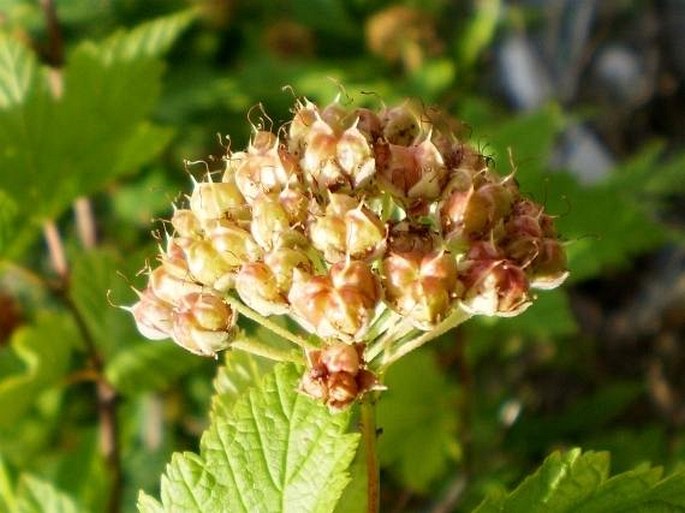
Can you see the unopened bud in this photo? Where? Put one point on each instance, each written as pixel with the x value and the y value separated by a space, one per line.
pixel 204 324
pixel 169 287
pixel 258 289
pixel 186 223
pixel 341 357
pixel 216 200
pixel 152 315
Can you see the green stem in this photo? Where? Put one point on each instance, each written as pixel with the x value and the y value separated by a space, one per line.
pixel 368 429
pixel 452 321
pixel 268 324
pixel 395 332
pixel 259 349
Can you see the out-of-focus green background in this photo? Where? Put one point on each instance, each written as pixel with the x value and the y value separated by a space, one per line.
pixel 583 99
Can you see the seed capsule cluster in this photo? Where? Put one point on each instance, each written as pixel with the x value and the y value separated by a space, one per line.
pixel 346 213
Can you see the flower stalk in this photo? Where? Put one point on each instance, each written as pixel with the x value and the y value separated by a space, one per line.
pixel 369 433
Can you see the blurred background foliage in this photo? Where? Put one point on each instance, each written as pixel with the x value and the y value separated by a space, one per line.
pixel 108 107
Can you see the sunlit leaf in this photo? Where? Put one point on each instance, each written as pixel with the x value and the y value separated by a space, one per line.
pixel 276 451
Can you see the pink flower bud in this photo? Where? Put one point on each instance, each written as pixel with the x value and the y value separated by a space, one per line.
pixel 341 357
pixel 169 287
pixel 400 125
pixel 549 268
pixel 152 315
pixel 495 287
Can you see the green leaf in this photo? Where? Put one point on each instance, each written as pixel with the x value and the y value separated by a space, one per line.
pixel 240 372
pixel 96 131
pixel 129 369
pixel 7 495
pixel 277 451
pixel 150 39
pixel 479 32
pixel 8 216
pixel 18 76
pixel 35 495
pixel 573 482
pixel 148 504
pixel 418 419
pixel 44 349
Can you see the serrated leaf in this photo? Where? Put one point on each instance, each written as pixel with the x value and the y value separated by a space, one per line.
pixel 150 39
pixel 561 480
pixel 418 417
pixel 148 504
pixel 572 482
pixel 129 368
pixel 35 495
pixel 45 349
pixel 240 372
pixel 96 131
pixel 277 451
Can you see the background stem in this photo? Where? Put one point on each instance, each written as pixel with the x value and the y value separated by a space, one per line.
pixel 369 435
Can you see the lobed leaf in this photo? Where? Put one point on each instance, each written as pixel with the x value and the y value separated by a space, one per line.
pixel 57 147
pixel 276 450
pixel 35 495
pixel 575 482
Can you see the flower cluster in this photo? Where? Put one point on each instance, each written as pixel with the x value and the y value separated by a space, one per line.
pixel 345 216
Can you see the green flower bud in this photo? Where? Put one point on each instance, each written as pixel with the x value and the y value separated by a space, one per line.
pixel 186 223
pixel 355 157
pixel 269 220
pixel 283 261
pixel 235 245
pixel 208 266
pixel 265 172
pixel 258 289
pixel 421 287
pixel 347 229
pixel 475 212
pixel 216 200
pixel 305 115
